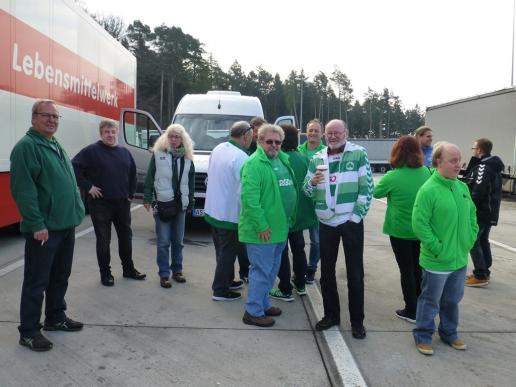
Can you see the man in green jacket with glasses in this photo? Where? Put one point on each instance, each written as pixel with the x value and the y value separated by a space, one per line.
pixel 45 190
pixel 268 207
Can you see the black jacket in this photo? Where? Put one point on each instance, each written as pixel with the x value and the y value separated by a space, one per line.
pixel 111 168
pixel 484 179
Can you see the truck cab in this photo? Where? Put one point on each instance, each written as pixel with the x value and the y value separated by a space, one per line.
pixel 206 117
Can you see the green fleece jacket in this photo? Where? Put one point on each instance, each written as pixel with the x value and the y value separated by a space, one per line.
pixel 43 185
pixel 305 214
pixel 444 220
pixel 400 187
pixel 309 153
pixel 261 204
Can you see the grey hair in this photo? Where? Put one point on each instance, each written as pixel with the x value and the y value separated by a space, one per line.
pixel 107 124
pixel 239 128
pixel 40 102
pixel 266 128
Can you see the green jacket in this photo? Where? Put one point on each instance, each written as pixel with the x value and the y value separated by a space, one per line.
pixel 303 149
pixel 261 204
pixel 43 185
pixel 400 186
pixel 444 220
pixel 305 214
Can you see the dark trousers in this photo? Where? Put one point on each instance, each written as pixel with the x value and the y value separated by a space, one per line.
pixel 407 256
pixel 481 252
pixel 103 214
pixel 243 262
pixel 46 271
pixel 352 236
pixel 227 247
pixel 297 246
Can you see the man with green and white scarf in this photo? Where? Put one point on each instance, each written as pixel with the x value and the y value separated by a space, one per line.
pixel 340 182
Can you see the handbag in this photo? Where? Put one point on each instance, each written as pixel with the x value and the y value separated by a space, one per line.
pixel 167 210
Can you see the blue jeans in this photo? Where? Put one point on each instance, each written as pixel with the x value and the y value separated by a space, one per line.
pixel 265 261
pixel 440 294
pixel 313 259
pixel 46 272
pixel 481 252
pixel 170 242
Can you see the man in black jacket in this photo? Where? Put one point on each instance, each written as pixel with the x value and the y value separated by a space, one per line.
pixel 107 173
pixel 484 179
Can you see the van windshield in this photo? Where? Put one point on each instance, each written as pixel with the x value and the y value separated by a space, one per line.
pixel 208 130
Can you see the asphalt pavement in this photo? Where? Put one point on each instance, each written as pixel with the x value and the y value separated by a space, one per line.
pixel 139 334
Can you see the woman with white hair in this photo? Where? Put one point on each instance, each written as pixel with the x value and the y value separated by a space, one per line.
pixel 169 190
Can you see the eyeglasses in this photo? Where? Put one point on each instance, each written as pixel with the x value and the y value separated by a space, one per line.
pixel 334 134
pixel 275 142
pixel 48 116
pixel 174 136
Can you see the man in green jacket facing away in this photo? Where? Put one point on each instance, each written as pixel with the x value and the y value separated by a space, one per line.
pixel 44 188
pixel 444 220
pixel 268 206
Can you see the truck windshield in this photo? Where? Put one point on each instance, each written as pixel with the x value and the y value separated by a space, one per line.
pixel 208 130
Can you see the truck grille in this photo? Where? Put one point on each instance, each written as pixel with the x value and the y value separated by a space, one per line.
pixel 200 182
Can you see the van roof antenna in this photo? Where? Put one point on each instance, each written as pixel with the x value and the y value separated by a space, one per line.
pixel 219 106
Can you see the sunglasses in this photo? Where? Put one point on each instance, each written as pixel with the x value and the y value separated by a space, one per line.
pixel 275 142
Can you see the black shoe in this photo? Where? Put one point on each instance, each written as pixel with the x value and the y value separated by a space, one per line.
pixel 229 296
pixel 404 315
pixel 37 343
pixel 107 280
pixel 310 277
pixel 358 332
pixel 68 325
pixel 135 275
pixel 235 285
pixel 326 322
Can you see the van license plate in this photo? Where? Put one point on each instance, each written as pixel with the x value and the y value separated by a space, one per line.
pixel 198 212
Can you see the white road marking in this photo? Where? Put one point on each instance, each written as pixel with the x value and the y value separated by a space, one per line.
pixel 346 365
pixel 19 263
pixel 496 243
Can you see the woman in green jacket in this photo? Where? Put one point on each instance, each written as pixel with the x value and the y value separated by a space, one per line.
pixel 400 186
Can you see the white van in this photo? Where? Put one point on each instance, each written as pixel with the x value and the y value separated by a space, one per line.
pixel 206 117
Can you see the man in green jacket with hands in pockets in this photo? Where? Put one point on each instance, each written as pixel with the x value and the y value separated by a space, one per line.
pixel 268 207
pixel 444 220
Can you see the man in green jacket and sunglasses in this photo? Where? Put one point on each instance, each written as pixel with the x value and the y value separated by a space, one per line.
pixel 268 207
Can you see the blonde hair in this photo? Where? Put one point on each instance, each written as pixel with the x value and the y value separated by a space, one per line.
pixel 437 151
pixel 422 130
pixel 163 145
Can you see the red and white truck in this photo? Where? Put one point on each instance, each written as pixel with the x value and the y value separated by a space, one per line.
pixel 53 49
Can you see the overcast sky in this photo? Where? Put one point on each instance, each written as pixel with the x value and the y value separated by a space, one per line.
pixel 426 51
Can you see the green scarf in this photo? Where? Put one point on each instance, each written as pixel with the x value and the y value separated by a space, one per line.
pixel 177 152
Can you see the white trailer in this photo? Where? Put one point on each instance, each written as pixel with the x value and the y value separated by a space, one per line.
pixel 378 152
pixel 53 49
pixel 491 115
